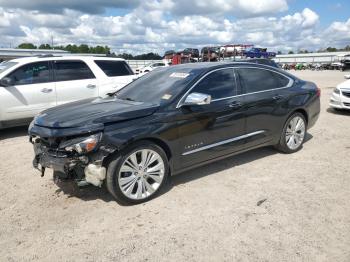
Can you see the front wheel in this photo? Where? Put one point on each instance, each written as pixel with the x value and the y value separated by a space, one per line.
pixel 138 174
pixel 293 134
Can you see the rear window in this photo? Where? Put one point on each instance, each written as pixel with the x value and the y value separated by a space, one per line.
pixel 114 68
pixel 257 80
pixel 72 70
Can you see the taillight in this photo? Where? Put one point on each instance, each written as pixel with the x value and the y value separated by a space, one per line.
pixel 318 92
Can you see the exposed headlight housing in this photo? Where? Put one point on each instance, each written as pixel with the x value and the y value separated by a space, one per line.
pixel 82 145
pixel 336 91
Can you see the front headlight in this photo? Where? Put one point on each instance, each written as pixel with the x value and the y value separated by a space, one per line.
pixel 336 91
pixel 82 144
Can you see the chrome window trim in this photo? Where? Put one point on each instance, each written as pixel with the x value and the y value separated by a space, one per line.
pixel 290 83
pixel 223 142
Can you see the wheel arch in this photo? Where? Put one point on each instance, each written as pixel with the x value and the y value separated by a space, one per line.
pixel 159 142
pixel 303 112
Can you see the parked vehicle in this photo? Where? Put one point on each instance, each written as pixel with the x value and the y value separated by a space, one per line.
pixel 193 52
pixel 150 67
pixel 336 66
pixel 345 62
pixel 340 98
pixel 256 52
pixel 210 54
pixel 233 50
pixel 169 54
pixel 171 120
pixel 30 85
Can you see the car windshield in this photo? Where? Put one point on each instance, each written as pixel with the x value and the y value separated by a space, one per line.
pixel 158 86
pixel 6 65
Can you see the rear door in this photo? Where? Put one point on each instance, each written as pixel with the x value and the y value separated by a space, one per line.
pixel 32 92
pixel 118 74
pixel 265 92
pixel 74 80
pixel 210 131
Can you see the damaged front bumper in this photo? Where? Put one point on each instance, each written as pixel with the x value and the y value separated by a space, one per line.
pixel 84 169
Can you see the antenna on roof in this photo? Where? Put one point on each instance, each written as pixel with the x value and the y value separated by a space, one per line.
pixel 52 43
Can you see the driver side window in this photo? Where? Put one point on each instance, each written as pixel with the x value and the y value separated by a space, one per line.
pixel 218 84
pixel 34 73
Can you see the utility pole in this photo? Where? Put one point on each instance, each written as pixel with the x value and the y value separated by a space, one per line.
pixel 52 42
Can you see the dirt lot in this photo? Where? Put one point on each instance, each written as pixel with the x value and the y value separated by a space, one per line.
pixel 259 206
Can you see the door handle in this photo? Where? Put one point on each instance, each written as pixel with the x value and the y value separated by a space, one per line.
pixel 278 97
pixel 235 104
pixel 46 90
pixel 91 86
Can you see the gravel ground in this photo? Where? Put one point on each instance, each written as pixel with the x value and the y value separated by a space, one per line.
pixel 258 206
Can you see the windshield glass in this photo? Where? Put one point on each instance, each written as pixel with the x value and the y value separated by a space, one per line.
pixel 158 86
pixel 6 65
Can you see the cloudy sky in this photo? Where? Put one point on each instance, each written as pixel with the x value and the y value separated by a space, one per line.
pixel 139 26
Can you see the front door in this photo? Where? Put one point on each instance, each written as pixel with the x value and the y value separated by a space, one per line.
pixel 32 92
pixel 210 131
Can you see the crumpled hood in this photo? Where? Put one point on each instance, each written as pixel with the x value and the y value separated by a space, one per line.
pixel 93 111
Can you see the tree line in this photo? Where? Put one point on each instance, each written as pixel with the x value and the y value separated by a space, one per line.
pixel 85 49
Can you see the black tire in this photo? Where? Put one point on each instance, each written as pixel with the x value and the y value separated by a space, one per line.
pixel 116 163
pixel 282 144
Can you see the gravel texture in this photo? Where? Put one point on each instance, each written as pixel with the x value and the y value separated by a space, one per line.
pixel 258 206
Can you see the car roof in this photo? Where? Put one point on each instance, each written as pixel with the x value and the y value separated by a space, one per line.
pixel 205 67
pixel 214 65
pixel 64 57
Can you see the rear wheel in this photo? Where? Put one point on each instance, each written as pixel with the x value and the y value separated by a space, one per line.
pixel 293 134
pixel 138 174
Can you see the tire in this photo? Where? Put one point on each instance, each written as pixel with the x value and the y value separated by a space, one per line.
pixel 295 141
pixel 135 185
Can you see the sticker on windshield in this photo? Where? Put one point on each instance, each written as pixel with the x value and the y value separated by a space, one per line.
pixel 179 75
pixel 166 97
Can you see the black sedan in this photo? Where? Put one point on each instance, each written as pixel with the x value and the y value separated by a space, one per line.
pixel 172 120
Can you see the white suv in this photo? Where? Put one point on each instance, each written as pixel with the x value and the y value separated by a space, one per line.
pixel 30 85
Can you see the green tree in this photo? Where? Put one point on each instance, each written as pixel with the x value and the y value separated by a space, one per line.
pixel 331 49
pixel 83 49
pixel 279 52
pixel 44 46
pixel 148 56
pixel 126 56
pixel 26 46
pixel 290 52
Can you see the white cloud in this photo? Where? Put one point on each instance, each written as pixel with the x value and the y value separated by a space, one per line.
pixel 339 32
pixel 240 8
pixel 154 26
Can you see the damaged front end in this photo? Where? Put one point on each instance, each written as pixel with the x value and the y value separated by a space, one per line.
pixel 73 157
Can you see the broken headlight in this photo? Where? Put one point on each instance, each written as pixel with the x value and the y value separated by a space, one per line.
pixel 82 145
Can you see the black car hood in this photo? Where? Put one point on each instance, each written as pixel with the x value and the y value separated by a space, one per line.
pixel 93 112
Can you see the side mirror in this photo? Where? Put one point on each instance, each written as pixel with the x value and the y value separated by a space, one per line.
pixel 6 81
pixel 197 99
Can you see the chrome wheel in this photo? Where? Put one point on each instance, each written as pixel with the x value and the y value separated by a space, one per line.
pixel 295 132
pixel 141 174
